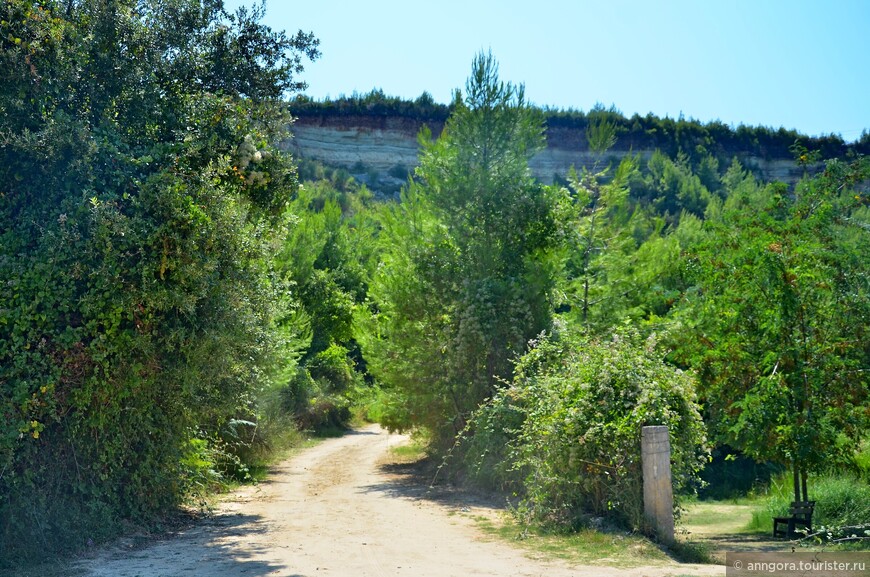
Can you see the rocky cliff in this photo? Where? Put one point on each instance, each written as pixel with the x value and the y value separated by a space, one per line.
pixel 380 150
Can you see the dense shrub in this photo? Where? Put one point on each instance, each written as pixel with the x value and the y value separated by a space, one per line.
pixel 332 367
pixel 140 196
pixel 319 394
pixel 571 424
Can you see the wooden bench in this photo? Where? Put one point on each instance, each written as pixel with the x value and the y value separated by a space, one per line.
pixel 801 515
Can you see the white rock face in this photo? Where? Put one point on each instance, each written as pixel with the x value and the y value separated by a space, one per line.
pixel 377 149
pixel 394 143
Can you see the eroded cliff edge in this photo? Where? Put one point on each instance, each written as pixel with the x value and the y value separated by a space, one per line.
pixel 379 148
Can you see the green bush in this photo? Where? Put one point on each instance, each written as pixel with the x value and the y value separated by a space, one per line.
pixel 862 461
pixel 296 396
pixel 141 196
pixel 318 395
pixel 570 427
pixel 333 369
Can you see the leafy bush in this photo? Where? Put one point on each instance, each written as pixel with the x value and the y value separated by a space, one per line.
pixel 333 369
pixel 571 424
pixel 862 460
pixel 140 196
pixel 318 395
pixel 296 396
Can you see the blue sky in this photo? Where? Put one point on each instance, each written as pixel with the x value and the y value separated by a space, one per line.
pixel 792 63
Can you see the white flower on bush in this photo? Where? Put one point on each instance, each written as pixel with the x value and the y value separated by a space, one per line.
pixel 246 152
pixel 256 177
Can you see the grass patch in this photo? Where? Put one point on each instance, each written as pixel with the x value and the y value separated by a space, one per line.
pixel 707 529
pixel 762 520
pixel 704 519
pixel 411 452
pixel 585 547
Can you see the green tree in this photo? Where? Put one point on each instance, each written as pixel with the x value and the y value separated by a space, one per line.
pixel 670 186
pixel 779 320
pixel 140 192
pixel 599 228
pixel 466 277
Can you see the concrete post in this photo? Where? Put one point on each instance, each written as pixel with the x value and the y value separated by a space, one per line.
pixel 658 493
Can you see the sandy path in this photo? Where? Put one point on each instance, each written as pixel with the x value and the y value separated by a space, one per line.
pixel 332 511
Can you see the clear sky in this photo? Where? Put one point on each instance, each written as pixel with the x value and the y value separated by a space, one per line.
pixel 794 63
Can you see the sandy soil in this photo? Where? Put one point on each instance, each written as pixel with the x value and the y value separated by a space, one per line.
pixel 336 511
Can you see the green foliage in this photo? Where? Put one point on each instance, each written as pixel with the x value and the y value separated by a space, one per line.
pixel 862 460
pixel 465 278
pixel 841 501
pixel 140 194
pixel 327 255
pixel 569 426
pixel 778 326
pixel 332 367
pixel 330 309
pixel 375 103
pixel 672 187
pixel 600 133
pixel 598 229
pixel 313 401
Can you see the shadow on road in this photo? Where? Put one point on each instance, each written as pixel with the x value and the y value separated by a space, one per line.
pixel 352 432
pixel 417 481
pixel 719 545
pixel 223 546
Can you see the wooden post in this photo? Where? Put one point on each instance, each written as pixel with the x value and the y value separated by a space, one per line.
pixel 658 492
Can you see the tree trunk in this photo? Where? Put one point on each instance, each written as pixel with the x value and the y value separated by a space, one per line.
pixel 804 484
pixel 797 483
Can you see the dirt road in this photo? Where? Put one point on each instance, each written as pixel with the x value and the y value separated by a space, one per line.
pixel 332 511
